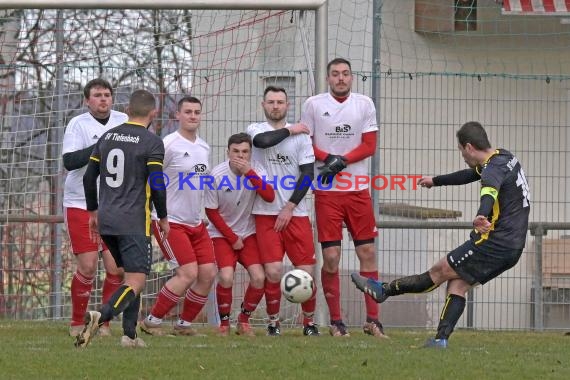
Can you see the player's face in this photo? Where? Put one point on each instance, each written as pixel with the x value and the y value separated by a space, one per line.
pixel 99 102
pixel 339 79
pixel 241 150
pixel 467 153
pixel 275 106
pixel 189 116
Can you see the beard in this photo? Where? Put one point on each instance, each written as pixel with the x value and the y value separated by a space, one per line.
pixel 274 116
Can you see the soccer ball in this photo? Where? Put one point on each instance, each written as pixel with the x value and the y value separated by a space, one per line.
pixel 297 286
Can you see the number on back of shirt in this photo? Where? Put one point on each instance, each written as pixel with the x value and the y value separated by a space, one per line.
pixel 522 182
pixel 116 168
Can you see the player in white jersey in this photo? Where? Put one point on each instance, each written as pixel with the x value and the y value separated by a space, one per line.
pixel 343 127
pixel 188 248
pixel 228 204
pixel 79 139
pixel 286 153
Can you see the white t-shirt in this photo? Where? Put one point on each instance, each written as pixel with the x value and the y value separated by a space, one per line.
pixel 186 165
pixel 81 132
pixel 281 163
pixel 233 199
pixel 337 128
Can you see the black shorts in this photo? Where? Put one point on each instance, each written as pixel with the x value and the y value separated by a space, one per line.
pixel 133 253
pixel 477 265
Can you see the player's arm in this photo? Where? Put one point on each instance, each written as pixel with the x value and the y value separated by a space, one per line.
pixel 268 139
pixel 158 188
pixel 460 177
pixel 303 183
pixel 365 149
pixel 216 219
pixel 77 159
pixel 90 183
pixel 262 188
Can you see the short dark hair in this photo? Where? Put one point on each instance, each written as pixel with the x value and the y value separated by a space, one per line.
pixel 338 61
pixel 274 89
pixel 141 103
pixel 97 82
pixel 188 99
pixel 473 133
pixel 239 138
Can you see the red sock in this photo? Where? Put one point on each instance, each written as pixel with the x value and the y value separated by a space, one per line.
pixel 110 285
pixel 308 307
pixel 250 301
pixel 272 297
pixel 80 293
pixel 372 308
pixel 193 304
pixel 224 298
pixel 331 288
pixel 165 301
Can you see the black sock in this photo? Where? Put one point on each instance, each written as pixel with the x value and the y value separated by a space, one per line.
pixel 417 283
pixel 117 303
pixel 130 317
pixel 452 310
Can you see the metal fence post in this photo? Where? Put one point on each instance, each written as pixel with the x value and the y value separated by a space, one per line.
pixel 538 232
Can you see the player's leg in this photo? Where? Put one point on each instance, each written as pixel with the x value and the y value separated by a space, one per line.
pixel 271 252
pixel 179 252
pixel 197 295
pixel 113 280
pixel 329 218
pixel 226 261
pixel 249 258
pixel 86 257
pixel 298 240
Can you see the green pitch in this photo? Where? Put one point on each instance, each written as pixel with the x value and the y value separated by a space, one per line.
pixel 34 350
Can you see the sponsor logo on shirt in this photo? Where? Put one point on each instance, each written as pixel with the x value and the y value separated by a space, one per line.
pixel 341 131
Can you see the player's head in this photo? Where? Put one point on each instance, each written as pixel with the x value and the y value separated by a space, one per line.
pixel 239 146
pixel 189 113
pixel 275 104
pixel 98 97
pixel 142 105
pixel 339 77
pixel 473 143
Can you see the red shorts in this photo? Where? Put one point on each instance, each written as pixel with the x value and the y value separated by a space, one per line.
pixel 185 244
pixel 296 240
pixel 77 223
pixel 354 208
pixel 226 256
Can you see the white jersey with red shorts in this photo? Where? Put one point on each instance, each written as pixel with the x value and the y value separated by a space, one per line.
pixel 82 132
pixel 281 163
pixel 186 170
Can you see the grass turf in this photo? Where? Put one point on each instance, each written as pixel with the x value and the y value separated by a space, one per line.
pixel 43 350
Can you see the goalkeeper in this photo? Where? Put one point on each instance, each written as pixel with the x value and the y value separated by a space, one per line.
pixel 343 127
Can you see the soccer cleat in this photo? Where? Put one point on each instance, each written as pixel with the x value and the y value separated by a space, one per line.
pixel 184 330
pixel 274 329
pixel 151 328
pixel 104 330
pixel 75 330
pixel 338 328
pixel 132 343
pixel 375 329
pixel 436 343
pixel 373 288
pixel 244 328
pixel 89 330
pixel 311 330
pixel 223 331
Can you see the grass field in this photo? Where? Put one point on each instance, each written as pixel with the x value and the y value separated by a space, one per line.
pixel 42 350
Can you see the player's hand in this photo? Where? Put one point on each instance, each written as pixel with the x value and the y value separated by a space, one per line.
pixel 164 227
pixel 297 129
pixel 481 224
pixel 241 165
pixel 426 182
pixel 334 164
pixel 284 217
pixel 238 245
pixel 94 228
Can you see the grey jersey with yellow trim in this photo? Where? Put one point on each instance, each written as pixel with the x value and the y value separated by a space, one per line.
pixel 509 218
pixel 124 153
